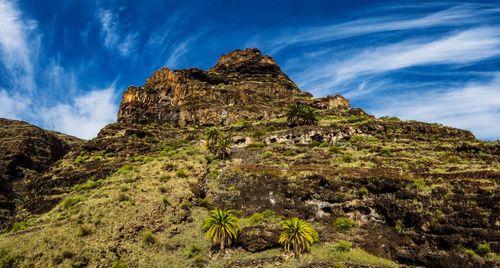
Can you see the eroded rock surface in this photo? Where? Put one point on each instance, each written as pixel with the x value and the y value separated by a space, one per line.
pixel 26 151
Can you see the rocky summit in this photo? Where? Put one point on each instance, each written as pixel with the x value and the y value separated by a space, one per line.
pixel 380 192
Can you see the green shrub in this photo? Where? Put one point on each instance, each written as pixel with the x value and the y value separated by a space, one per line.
pixel 289 152
pixel 143 158
pixel 261 217
pixel 125 169
pixel 356 118
pixel 204 202
pixel 453 159
pixel 343 245
pixel 266 154
pixel 214 173
pixel 347 158
pixel 78 264
pixel 165 178
pixel 419 184
pixel 483 248
pixel 255 145
pixel 257 218
pixel 357 139
pixel 122 197
pixel 259 133
pixel 119 264
pixel 399 226
pixel 343 224
pixel 86 229
pixel 243 123
pixel 80 159
pixel 383 151
pixel 86 186
pixel 363 192
pixel 199 261
pixel 18 226
pixel 390 118
pixel 193 251
pixel 71 201
pixel 314 143
pixel 181 173
pixel 148 237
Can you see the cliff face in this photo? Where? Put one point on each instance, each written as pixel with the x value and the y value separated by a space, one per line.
pixel 244 84
pixel 26 151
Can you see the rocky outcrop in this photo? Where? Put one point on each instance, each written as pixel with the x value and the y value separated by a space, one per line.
pixel 259 237
pixel 244 84
pixel 26 150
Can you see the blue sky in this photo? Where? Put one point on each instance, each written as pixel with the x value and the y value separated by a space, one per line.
pixel 64 64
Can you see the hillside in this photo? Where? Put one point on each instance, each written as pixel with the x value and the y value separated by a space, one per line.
pixel 416 194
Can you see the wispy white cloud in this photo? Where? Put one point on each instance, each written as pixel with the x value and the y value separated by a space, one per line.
pixel 15 53
pixel 85 115
pixel 474 106
pixel 171 42
pixel 464 47
pixel 461 15
pixel 15 106
pixel 112 33
pixel 181 48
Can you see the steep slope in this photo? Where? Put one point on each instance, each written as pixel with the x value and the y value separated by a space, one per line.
pixel 416 193
pixel 26 151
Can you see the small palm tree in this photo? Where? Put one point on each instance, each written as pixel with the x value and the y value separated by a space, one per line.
pixel 293 113
pixel 212 137
pixel 309 116
pixel 299 115
pixel 221 227
pixel 222 147
pixel 297 235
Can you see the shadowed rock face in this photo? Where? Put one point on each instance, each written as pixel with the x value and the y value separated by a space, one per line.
pixel 244 84
pixel 26 150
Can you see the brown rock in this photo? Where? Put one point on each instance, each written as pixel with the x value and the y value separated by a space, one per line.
pixel 26 149
pixel 244 84
pixel 259 237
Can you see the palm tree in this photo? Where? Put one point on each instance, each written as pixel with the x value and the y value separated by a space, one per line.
pixel 309 116
pixel 299 115
pixel 297 235
pixel 213 135
pixel 222 147
pixel 221 227
pixel 293 113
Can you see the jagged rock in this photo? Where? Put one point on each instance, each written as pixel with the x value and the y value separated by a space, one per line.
pixel 26 150
pixel 244 84
pixel 259 237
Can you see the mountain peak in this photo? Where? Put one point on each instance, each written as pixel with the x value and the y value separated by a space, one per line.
pixel 243 84
pixel 247 56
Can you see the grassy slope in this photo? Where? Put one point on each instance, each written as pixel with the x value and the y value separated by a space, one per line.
pixel 106 222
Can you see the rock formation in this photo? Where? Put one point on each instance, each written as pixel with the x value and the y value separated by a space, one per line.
pixel 417 194
pixel 26 151
pixel 240 86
